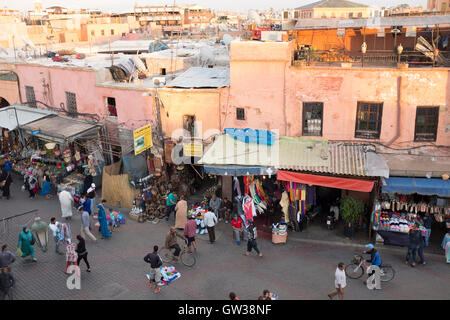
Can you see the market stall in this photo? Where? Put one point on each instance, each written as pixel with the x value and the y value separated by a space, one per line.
pixel 405 201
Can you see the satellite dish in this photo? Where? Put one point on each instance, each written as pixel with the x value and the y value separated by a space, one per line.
pixel 227 39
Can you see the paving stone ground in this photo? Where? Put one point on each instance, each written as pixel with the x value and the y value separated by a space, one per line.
pixel 296 270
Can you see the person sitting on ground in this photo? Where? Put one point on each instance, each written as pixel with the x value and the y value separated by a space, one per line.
pixel 171 242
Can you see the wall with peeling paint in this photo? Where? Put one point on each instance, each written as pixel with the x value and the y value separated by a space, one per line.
pixel 272 92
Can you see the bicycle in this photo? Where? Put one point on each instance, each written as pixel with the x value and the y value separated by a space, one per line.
pixel 187 258
pixel 356 268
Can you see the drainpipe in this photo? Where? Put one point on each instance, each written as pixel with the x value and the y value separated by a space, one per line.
pixel 284 100
pixel 399 104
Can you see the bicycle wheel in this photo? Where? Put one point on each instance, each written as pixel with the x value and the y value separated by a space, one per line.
pixel 166 255
pixel 354 271
pixel 188 259
pixel 387 273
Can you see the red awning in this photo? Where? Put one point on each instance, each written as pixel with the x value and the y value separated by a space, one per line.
pixel 332 182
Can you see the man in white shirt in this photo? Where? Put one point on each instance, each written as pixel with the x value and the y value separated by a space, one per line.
pixel 339 283
pixel 210 221
pixel 53 225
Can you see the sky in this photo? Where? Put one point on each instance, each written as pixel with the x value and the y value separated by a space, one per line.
pixel 235 5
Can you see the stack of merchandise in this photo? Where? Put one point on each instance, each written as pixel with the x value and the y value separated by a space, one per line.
pixel 199 213
pixel 279 229
pixel 169 274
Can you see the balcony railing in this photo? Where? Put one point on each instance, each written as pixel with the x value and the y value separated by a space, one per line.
pixel 369 59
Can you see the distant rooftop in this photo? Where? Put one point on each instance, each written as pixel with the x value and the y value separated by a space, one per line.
pixel 378 22
pixel 199 77
pixel 333 4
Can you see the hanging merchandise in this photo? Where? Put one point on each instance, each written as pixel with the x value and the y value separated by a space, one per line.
pixel 249 207
pixel 237 187
pixel 285 205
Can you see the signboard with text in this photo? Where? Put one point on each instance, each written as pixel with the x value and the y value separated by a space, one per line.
pixel 194 149
pixel 142 139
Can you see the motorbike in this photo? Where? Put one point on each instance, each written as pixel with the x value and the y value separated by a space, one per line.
pixel 331 222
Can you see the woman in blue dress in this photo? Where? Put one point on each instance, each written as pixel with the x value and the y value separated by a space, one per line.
pixel 46 184
pixel 102 220
pixel 25 239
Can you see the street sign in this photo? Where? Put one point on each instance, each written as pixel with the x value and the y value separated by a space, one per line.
pixel 193 149
pixel 142 139
pixel 35 132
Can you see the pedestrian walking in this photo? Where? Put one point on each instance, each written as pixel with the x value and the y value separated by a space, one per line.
pixel 91 194
pixel 252 235
pixel 171 242
pixel 420 249
pixel 85 224
pixel 5 182
pixel 427 220
pixel 414 244
pixel 66 202
pixel 340 282
pixel 171 203
pixel 31 184
pixel 6 257
pixel 189 232
pixel 87 204
pixel 155 263
pixel 238 227
pixel 103 221
pixel 210 220
pixel 233 296
pixel 82 252
pixel 54 226
pixel 6 283
pixel 26 242
pixel 214 205
pixel 181 213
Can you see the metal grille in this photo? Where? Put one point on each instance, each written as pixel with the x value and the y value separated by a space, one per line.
pixel 368 120
pixel 426 123
pixel 312 118
pixel 71 102
pixel 31 98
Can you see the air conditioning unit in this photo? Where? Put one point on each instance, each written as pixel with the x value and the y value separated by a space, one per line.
pixel 157 81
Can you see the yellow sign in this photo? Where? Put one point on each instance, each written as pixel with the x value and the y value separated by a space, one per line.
pixel 193 149
pixel 142 139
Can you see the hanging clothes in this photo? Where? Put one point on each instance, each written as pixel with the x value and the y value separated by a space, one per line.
pixel 293 217
pixel 249 208
pixel 284 203
pixel 237 187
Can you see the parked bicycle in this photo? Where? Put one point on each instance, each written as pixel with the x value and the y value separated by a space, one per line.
pixel 187 258
pixel 358 266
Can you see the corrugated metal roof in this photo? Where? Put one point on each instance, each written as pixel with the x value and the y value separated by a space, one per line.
pixel 60 127
pixel 9 116
pixel 373 23
pixel 333 4
pixel 300 154
pixel 199 77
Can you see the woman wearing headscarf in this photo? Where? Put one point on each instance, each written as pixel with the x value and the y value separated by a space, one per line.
pixel 25 243
pixel 102 220
pixel 88 180
pixel 31 184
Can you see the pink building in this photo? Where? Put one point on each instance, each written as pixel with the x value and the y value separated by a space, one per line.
pixel 390 106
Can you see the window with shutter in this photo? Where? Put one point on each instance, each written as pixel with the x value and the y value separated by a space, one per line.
pixel 71 103
pixel 312 118
pixel 31 98
pixel 427 119
pixel 368 120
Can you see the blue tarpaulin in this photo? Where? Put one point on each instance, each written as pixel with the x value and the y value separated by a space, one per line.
pixel 423 186
pixel 239 170
pixel 252 135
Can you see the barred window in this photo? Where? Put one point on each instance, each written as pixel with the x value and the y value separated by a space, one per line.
pixel 31 98
pixel 71 103
pixel 312 118
pixel 427 119
pixel 368 120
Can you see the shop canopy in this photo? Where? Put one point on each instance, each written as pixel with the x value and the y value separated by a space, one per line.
pixel 325 181
pixel 236 171
pixel 20 115
pixel 422 186
pixel 62 129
